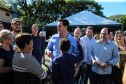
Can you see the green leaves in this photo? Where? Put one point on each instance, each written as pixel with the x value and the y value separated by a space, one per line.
pixel 43 12
pixel 119 18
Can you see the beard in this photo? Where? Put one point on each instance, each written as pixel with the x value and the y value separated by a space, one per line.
pixel 103 39
pixel 17 31
pixel 89 35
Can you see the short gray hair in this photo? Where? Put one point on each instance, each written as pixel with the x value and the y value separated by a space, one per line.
pixel 34 25
pixel 4 33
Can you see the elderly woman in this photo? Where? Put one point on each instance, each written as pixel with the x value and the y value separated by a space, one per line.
pixel 26 68
pixel 6 56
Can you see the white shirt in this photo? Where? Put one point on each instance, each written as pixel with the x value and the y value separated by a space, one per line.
pixel 84 51
pixel 88 42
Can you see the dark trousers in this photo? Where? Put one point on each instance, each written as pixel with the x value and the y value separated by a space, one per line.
pixel 78 76
pixel 116 75
pixel 89 67
pixel 82 75
pixel 100 79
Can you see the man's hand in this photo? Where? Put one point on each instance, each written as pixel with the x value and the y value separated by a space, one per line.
pixel 95 62
pixel 104 65
pixel 76 71
pixel 49 53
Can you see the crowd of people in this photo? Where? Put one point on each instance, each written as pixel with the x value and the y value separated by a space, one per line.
pixel 73 59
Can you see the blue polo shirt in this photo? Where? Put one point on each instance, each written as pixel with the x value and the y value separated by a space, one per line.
pixel 53 45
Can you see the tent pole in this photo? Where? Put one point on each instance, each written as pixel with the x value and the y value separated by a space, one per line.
pixel 42 28
pixel 121 27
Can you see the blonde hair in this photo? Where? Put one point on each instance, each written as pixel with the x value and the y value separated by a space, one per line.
pixel 96 35
pixel 4 33
pixel 115 38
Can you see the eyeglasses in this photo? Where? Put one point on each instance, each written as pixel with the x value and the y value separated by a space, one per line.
pixel 17 24
pixel 10 38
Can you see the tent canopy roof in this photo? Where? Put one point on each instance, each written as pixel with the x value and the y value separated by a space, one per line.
pixel 86 18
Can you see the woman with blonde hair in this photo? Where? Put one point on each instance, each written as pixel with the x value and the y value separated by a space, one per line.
pixel 119 68
pixel 6 56
pixel 96 36
pixel 120 41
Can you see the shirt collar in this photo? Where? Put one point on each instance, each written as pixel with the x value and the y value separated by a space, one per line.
pixel 66 37
pixel 108 42
pixel 34 36
pixel 87 37
pixel 13 34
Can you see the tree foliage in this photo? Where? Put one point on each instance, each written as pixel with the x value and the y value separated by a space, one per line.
pixel 45 11
pixel 119 18
pixel 115 17
pixel 48 11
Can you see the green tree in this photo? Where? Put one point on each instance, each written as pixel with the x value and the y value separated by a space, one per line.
pixel 122 20
pixel 115 17
pixel 119 18
pixel 45 11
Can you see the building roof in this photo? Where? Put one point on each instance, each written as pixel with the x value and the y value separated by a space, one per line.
pixel 5 8
pixel 86 18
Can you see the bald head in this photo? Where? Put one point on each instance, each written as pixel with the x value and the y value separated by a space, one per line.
pixel 77 29
pixel 77 33
pixel 104 35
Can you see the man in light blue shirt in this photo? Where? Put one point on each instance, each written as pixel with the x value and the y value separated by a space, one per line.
pixel 87 40
pixel 103 54
pixel 82 70
pixel 52 49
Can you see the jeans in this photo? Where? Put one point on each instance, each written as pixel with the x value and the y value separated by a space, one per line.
pixel 82 75
pixel 100 79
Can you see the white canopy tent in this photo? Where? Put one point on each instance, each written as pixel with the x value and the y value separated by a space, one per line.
pixel 87 18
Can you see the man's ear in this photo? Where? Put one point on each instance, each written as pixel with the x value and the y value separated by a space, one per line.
pixel 26 45
pixel 66 26
pixel 2 40
pixel 81 33
pixel 12 26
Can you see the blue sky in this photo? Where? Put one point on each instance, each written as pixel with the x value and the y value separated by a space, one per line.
pixel 113 7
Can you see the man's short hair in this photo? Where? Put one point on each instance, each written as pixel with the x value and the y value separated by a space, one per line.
pixel 65 22
pixel 34 25
pixel 22 39
pixel 64 44
pixel 77 29
pixel 107 29
pixel 89 27
pixel 15 20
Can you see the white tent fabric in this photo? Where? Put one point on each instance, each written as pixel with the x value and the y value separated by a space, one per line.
pixel 86 18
